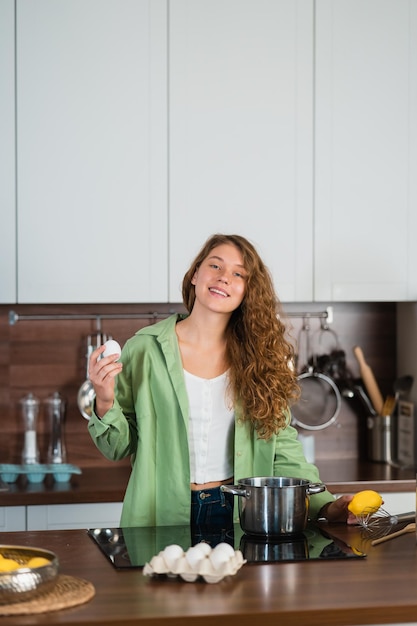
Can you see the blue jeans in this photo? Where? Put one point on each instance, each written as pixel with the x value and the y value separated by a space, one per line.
pixel 211 516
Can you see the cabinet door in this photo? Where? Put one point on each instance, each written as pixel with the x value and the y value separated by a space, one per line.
pixel 12 518
pixel 91 146
pixel 7 155
pixel 64 516
pixel 240 133
pixel 366 150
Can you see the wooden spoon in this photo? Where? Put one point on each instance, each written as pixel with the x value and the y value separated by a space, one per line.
pixel 410 528
pixel 369 381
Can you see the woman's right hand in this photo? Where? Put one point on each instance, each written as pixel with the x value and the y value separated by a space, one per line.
pixel 102 373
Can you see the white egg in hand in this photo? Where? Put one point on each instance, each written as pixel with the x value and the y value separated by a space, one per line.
pixel 112 347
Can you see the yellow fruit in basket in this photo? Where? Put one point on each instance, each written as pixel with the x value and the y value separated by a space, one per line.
pixel 38 561
pixel 8 565
pixel 365 502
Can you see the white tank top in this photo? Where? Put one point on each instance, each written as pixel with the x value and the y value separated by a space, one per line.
pixel 210 429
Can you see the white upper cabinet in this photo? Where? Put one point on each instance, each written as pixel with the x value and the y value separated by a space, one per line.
pixel 7 155
pixel 91 151
pixel 366 150
pixel 241 133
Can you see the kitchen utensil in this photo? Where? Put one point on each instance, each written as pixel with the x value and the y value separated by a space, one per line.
pixel 30 410
pixel 369 381
pixel 381 444
pixel 410 528
pixel 360 393
pixel 325 340
pixel 320 400
pixel 319 403
pixel 380 523
pixel 402 386
pixel 273 506
pixel 86 393
pixel 334 365
pixel 24 583
pixel 388 406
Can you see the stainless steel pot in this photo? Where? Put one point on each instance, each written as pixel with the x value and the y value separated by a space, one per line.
pixel 273 506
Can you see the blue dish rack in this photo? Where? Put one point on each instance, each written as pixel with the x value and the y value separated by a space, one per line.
pixel 37 472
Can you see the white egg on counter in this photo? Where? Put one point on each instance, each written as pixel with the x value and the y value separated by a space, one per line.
pixel 204 548
pixel 112 347
pixel 199 561
pixel 195 556
pixel 221 554
pixel 172 554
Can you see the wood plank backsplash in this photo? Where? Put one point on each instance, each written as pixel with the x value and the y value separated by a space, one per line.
pixel 50 355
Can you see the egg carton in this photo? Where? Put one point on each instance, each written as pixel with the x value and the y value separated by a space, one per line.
pixel 198 562
pixel 36 472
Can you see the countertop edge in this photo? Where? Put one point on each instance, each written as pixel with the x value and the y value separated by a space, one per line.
pixel 386 486
pixel 108 484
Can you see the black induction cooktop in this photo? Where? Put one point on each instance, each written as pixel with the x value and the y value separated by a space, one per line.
pixel 133 547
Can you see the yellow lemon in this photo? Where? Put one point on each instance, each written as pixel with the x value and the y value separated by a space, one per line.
pixel 365 502
pixel 8 565
pixel 38 561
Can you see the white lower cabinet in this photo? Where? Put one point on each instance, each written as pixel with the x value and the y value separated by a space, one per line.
pixel 60 516
pixel 67 516
pixel 399 502
pixel 12 518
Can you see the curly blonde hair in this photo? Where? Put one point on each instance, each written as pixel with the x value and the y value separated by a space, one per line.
pixel 262 376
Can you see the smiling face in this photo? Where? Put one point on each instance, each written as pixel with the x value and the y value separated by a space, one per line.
pixel 220 280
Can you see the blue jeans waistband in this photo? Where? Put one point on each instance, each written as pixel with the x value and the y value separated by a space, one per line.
pixel 210 496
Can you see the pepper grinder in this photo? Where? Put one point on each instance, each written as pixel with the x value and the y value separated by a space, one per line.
pixel 55 406
pixel 30 410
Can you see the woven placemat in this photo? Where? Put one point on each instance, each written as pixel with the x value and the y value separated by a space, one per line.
pixel 67 592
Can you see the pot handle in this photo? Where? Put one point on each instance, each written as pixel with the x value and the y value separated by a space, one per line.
pixel 315 488
pixel 235 490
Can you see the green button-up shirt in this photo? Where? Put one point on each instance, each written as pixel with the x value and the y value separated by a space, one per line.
pixel 149 422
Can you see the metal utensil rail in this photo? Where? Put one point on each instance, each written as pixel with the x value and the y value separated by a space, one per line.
pixel 154 315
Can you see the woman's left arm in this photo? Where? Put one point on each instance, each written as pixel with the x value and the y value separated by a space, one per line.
pixel 290 461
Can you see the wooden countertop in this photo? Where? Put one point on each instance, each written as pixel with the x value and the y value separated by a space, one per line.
pixel 108 484
pixel 343 476
pixel 378 589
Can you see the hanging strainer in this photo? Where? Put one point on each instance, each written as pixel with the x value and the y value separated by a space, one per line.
pixel 320 400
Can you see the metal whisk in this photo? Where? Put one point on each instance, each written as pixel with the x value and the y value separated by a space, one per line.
pixel 380 523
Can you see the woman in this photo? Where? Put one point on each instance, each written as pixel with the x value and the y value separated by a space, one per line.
pixel 204 399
